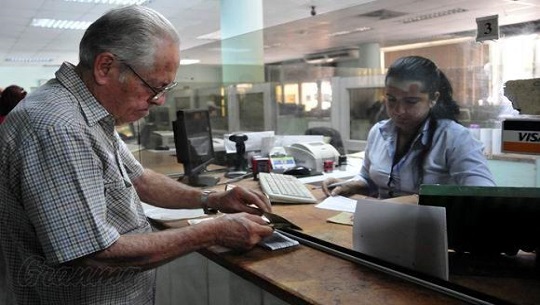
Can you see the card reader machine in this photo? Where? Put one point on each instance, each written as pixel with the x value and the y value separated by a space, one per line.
pixel 312 154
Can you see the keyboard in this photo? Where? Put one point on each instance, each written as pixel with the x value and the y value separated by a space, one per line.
pixel 285 188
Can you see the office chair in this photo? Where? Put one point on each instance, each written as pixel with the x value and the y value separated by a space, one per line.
pixel 334 135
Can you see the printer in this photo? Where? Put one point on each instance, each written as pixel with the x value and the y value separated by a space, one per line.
pixel 312 154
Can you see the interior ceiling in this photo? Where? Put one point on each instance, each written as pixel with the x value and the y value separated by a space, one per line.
pixel 290 32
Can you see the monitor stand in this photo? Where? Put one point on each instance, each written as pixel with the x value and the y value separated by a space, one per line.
pixel 235 174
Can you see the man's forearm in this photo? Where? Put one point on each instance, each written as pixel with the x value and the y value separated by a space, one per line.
pixel 162 191
pixel 146 251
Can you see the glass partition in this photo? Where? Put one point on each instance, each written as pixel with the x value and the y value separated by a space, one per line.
pixel 296 95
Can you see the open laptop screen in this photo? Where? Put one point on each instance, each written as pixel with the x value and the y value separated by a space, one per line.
pixel 489 220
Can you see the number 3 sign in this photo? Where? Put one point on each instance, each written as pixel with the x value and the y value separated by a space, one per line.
pixel 487 28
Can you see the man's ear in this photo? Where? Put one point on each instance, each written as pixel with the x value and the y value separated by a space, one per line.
pixel 103 68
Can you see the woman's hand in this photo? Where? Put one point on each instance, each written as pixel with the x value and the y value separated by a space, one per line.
pixel 344 188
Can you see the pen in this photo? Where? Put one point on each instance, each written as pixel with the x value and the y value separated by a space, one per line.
pixel 331 186
pixel 336 184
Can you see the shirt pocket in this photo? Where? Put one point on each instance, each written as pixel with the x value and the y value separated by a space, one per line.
pixel 122 211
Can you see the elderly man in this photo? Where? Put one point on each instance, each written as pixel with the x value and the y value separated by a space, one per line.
pixel 72 228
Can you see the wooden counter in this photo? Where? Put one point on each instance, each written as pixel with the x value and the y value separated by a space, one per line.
pixel 515 169
pixel 304 275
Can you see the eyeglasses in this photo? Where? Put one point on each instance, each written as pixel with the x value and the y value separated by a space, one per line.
pixel 158 92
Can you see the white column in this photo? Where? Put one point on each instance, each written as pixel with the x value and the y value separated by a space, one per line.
pixel 370 56
pixel 242 51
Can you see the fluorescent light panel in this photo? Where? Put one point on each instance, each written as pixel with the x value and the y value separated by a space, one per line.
pixel 187 61
pixel 28 59
pixel 112 2
pixel 433 15
pixel 357 30
pixel 419 45
pixel 211 36
pixel 183 62
pixel 60 24
pixel 79 25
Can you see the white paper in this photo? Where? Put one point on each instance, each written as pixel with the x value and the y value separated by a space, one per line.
pixel 338 203
pixel 162 214
pixel 412 236
pixel 485 137
pixel 496 141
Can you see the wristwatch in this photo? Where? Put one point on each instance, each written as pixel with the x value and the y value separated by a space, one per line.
pixel 204 202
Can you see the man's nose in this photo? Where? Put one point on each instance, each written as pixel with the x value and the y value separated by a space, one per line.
pixel 160 101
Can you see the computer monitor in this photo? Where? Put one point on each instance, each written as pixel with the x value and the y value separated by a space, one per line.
pixel 194 145
pixel 159 117
pixel 485 219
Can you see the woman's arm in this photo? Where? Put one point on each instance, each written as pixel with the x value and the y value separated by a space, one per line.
pixel 467 163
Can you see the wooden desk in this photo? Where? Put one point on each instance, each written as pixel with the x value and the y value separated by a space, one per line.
pixel 303 275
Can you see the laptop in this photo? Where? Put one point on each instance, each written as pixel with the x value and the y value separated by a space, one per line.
pixel 407 235
pixel 487 220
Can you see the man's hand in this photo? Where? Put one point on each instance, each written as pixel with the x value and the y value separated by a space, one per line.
pixel 240 199
pixel 241 231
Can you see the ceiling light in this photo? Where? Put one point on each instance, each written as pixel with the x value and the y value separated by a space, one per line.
pixel 211 36
pixel 274 45
pixel 428 44
pixel 60 24
pixel 28 59
pixel 113 2
pixel 185 62
pixel 231 50
pixel 383 14
pixel 357 30
pixel 433 15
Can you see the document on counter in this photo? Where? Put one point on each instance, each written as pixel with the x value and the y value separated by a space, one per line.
pixel 338 203
pixel 346 206
pixel 343 218
pixel 161 214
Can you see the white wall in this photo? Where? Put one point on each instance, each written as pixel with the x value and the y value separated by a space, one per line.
pixel 26 77
pixel 199 74
pixel 30 77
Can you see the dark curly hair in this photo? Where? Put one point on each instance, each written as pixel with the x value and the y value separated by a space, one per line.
pixel 10 97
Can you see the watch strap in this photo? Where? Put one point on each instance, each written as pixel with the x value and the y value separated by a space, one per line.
pixel 204 202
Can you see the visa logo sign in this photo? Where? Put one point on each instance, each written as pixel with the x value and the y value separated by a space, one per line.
pixel 529 137
pixel 521 136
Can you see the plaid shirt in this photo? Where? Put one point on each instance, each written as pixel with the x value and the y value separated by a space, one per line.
pixel 66 193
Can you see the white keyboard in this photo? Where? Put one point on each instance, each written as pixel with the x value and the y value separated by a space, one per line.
pixel 285 188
